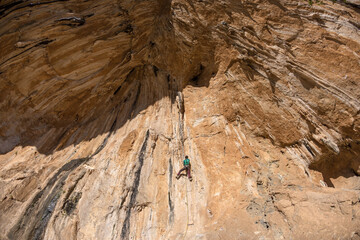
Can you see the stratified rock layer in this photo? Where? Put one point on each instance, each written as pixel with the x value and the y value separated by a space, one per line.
pixel 101 100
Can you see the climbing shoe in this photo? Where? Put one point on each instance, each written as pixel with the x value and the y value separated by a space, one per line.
pixel 177 177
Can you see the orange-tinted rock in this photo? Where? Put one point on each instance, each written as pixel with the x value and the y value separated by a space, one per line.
pixel 101 100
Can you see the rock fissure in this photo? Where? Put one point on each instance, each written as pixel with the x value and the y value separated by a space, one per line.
pixel 42 43
pixel 36 217
pixel 262 96
pixel 4 8
pixel 134 189
pixel 171 203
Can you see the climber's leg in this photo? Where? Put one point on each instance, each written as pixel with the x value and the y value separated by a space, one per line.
pixel 178 175
pixel 189 172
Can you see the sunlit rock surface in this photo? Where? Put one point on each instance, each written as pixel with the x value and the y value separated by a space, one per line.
pixel 101 100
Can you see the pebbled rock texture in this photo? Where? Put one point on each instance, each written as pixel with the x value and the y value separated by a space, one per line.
pixel 101 100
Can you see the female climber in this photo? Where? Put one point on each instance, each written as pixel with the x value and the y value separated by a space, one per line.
pixel 187 167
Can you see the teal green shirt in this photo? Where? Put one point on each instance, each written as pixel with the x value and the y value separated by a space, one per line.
pixel 186 162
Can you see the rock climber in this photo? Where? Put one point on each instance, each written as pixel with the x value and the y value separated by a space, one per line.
pixel 187 167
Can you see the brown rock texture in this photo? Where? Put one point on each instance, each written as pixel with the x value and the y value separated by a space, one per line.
pixel 101 100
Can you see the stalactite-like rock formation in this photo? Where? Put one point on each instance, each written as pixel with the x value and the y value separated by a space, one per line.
pixel 101 100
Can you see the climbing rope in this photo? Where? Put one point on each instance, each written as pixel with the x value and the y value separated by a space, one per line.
pixel 187 211
pixel 186 196
pixel 181 128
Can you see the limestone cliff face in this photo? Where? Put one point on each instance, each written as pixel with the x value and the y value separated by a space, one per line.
pixel 101 100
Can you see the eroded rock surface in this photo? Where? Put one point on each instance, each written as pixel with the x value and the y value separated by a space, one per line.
pixel 101 100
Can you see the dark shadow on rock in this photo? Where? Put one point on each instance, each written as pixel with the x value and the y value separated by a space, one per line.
pixel 273 79
pixel 352 4
pixel 278 4
pixel 307 81
pixel 345 164
pixel 136 84
pixel 241 7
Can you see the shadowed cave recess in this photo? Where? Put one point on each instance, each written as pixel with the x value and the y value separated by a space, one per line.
pixel 86 75
pixel 101 100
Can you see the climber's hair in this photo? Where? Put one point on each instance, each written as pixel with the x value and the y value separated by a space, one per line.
pixel 186 156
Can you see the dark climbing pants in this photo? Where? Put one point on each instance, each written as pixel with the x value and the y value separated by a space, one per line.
pixel 187 168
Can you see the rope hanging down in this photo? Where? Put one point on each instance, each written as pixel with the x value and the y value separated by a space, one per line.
pixel 181 131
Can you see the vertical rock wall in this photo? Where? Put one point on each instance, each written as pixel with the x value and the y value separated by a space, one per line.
pixel 101 100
